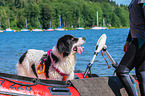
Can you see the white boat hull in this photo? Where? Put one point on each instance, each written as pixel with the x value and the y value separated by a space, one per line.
pixel 25 30
pixel 98 28
pixel 60 29
pixel 1 31
pixel 48 30
pixel 80 28
pixel 9 30
pixel 37 30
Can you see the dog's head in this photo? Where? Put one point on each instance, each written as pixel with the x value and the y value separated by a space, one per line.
pixel 69 44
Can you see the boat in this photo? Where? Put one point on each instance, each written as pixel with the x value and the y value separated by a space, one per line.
pixel 1 31
pixel 84 83
pixel 9 29
pixel 15 85
pixel 80 28
pixel 104 25
pixel 96 27
pixel 37 30
pixel 12 84
pixel 25 30
pixel 49 29
pixel 61 28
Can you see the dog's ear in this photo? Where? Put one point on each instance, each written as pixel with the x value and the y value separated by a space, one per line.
pixel 64 45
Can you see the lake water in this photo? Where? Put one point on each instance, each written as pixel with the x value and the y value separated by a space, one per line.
pixel 13 45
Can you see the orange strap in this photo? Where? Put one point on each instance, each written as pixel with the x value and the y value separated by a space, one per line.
pixel 64 78
pixel 38 68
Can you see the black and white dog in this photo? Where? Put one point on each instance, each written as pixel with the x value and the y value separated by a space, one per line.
pixel 60 61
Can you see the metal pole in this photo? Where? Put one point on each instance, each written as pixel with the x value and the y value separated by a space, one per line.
pixel 114 64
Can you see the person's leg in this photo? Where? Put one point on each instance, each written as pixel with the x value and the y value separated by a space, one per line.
pixel 125 66
pixel 141 78
pixel 123 74
pixel 140 69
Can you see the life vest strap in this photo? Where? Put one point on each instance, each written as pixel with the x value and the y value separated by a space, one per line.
pixel 62 74
pixel 42 63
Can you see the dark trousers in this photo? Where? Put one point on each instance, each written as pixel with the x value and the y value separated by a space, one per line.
pixel 134 57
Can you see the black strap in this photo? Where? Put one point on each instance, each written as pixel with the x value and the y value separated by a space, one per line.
pixel 34 70
pixel 47 65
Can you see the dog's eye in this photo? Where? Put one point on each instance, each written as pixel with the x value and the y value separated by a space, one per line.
pixel 75 39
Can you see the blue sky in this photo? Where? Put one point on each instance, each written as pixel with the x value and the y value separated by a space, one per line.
pixel 124 2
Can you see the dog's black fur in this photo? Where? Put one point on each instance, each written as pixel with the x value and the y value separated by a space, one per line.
pixel 22 57
pixel 65 43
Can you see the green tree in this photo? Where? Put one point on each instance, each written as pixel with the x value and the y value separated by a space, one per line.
pixel 2 2
pixel 21 19
pixel 46 14
pixel 122 14
pixel 115 21
pixel 32 11
pixel 73 12
pixel 107 9
pixel 4 17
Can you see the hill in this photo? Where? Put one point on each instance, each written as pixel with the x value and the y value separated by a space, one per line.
pixel 73 12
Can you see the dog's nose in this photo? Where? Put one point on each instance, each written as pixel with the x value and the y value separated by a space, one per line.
pixel 84 38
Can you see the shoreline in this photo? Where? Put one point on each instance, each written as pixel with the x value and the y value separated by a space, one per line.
pixel 87 28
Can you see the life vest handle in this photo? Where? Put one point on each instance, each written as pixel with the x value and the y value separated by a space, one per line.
pixel 64 78
pixel 38 68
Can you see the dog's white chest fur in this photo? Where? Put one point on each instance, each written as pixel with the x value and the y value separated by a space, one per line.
pixel 66 66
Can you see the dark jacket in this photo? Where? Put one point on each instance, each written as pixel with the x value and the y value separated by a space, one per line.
pixel 137 18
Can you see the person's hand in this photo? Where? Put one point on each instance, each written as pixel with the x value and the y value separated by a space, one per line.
pixel 125 46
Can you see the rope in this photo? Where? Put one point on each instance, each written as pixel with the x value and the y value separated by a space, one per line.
pixel 105 60
pixel 36 81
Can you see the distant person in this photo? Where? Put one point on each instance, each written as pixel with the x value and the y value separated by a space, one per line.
pixel 134 49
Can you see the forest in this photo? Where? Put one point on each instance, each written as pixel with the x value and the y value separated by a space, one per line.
pixel 73 13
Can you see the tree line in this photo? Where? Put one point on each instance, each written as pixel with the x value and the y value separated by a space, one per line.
pixel 73 13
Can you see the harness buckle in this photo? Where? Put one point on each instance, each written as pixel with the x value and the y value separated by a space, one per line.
pixel 43 68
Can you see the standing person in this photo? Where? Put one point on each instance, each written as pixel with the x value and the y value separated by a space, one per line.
pixel 134 49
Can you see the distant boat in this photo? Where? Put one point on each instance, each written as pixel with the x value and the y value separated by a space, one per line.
pixel 45 30
pixel 96 27
pixel 61 25
pixel 9 29
pixel 49 29
pixel 80 28
pixel 37 30
pixel 60 29
pixel 25 30
pixel 1 31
